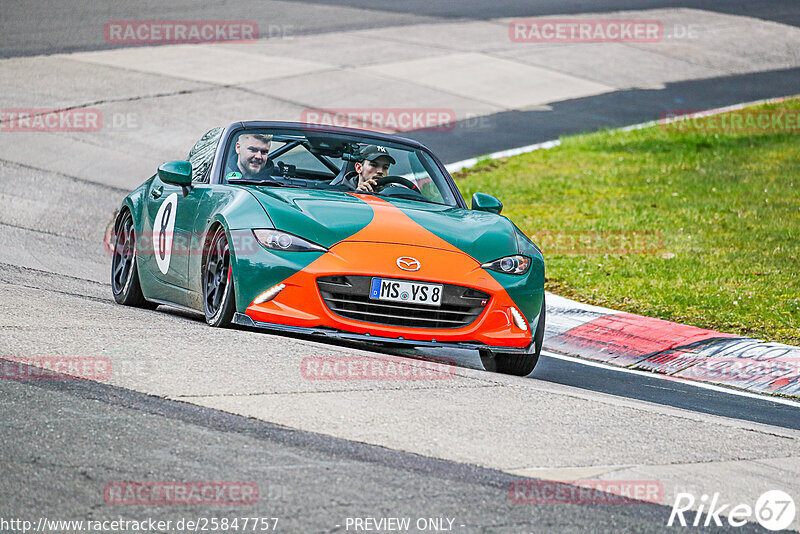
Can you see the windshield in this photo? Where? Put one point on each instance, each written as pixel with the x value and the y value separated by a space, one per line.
pixel 323 160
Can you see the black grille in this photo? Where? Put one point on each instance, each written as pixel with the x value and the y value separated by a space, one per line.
pixel 348 296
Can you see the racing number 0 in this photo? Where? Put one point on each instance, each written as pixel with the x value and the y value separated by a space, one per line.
pixel 163 226
pixel 162 235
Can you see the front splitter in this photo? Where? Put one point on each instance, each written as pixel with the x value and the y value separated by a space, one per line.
pixel 331 333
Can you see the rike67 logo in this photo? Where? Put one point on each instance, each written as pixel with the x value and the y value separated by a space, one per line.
pixel 774 510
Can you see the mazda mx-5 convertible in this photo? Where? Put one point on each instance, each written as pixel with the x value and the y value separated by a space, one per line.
pixel 264 226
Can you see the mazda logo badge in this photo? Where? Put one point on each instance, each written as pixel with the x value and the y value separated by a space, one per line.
pixel 408 264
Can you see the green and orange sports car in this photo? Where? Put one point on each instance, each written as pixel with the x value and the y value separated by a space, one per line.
pixel 264 226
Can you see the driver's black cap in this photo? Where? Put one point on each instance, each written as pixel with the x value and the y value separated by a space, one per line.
pixel 373 152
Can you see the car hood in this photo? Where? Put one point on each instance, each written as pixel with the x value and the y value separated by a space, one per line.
pixel 329 217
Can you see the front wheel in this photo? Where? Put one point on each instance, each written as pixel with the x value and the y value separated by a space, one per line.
pixel 124 274
pixel 517 364
pixel 219 302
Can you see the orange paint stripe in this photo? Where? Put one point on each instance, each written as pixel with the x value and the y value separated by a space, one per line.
pixel 389 220
pixel 439 262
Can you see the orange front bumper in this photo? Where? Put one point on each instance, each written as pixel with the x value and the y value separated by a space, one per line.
pixel 300 304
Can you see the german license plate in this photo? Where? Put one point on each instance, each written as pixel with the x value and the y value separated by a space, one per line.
pixel 405 291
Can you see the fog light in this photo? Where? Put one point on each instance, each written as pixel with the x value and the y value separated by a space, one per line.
pixel 519 320
pixel 269 294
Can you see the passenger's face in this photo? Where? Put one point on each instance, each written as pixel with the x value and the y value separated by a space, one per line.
pixel 252 154
pixel 369 170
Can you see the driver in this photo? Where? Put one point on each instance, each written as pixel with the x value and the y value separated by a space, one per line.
pixel 252 150
pixel 375 165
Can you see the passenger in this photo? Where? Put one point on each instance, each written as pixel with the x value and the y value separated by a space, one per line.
pixel 375 164
pixel 252 161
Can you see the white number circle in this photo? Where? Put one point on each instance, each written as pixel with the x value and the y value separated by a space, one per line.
pixel 163 226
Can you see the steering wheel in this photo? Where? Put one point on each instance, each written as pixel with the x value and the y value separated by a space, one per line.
pixel 386 180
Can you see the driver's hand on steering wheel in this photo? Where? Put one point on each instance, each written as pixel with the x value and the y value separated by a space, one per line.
pixel 369 185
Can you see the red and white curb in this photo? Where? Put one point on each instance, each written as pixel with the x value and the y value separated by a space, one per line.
pixel 648 344
pixel 680 351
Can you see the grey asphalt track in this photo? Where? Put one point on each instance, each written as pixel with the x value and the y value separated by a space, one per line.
pixel 513 129
pixel 784 11
pixel 71 438
pixel 678 395
pixel 55 26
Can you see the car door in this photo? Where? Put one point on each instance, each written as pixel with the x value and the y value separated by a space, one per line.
pixel 167 237
pixel 203 203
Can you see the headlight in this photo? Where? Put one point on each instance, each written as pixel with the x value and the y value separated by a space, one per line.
pixel 510 265
pixel 277 240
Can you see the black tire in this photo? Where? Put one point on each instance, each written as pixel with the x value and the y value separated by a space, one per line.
pixel 517 364
pixel 219 301
pixel 124 274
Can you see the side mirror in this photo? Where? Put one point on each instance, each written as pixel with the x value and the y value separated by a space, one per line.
pixel 176 173
pixel 484 202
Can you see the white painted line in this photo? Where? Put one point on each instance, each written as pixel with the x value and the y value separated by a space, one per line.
pixel 463 164
pixel 557 302
pixel 703 385
pixel 471 162
pixel 706 113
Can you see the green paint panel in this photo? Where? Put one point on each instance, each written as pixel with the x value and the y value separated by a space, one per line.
pixel 484 236
pixel 257 271
pixel 324 217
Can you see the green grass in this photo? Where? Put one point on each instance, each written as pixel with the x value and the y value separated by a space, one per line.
pixel 720 214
